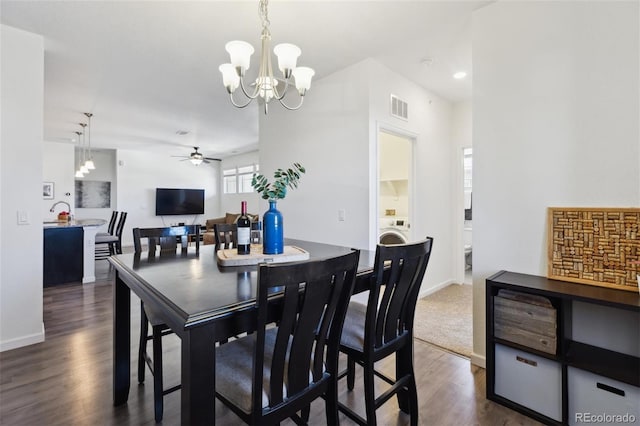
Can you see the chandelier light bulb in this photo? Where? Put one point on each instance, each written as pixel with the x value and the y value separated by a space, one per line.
pixel 79 174
pixel 89 164
pixel 287 57
pixel 240 53
pixel 303 77
pixel 230 77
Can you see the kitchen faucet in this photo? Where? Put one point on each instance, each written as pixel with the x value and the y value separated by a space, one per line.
pixel 58 202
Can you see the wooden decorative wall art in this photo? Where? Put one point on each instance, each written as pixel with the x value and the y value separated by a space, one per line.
pixel 597 246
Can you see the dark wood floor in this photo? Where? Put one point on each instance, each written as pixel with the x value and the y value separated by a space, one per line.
pixel 66 380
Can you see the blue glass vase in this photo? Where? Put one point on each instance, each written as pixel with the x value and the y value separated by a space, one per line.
pixel 273 230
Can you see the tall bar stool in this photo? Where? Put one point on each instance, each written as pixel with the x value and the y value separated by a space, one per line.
pixel 107 245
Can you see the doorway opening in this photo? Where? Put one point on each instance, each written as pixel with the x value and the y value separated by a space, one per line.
pixel 467 166
pixel 395 171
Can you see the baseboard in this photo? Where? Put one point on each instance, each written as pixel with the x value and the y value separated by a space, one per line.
pixel 435 288
pixel 22 341
pixel 478 360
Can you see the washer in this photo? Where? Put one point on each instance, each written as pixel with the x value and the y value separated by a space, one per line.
pixel 394 231
pixel 392 236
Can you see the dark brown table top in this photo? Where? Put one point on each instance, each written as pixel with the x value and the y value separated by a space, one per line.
pixel 194 290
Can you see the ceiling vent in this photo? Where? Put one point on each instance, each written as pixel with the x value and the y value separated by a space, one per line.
pixel 399 108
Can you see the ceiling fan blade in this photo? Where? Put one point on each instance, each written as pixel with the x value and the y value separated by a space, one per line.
pixel 211 159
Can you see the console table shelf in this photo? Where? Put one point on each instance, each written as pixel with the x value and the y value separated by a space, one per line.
pixel 621 367
pixel 544 385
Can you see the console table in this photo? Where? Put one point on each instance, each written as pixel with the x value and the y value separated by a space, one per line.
pixel 595 370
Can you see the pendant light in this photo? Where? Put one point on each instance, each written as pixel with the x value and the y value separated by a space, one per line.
pixel 79 173
pixel 89 163
pixel 83 167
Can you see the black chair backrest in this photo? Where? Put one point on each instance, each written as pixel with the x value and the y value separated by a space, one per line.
pixel 398 273
pixel 315 297
pixel 120 226
pixel 166 238
pixel 112 222
pixel 225 235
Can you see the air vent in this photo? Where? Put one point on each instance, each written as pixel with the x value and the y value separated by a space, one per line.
pixel 399 108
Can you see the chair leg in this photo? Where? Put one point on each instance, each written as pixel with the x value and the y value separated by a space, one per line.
pixel 404 367
pixel 330 405
pixel 157 373
pixel 413 400
pixel 369 395
pixel 304 413
pixel 142 349
pixel 351 372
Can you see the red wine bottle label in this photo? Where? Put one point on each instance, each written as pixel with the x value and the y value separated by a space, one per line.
pixel 244 236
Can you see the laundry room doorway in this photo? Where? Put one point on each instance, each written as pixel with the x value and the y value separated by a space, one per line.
pixel 395 186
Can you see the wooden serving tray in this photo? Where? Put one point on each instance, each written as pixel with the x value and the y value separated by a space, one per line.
pixel 230 257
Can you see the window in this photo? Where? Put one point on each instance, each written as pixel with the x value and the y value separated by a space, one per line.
pixel 238 179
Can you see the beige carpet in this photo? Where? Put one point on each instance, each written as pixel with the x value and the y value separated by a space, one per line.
pixel 444 319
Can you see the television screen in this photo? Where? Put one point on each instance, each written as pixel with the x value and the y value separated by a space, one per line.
pixel 171 201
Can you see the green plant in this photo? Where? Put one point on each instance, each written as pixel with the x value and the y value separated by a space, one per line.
pixel 277 190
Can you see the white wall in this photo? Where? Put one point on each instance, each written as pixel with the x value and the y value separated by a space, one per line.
pixel 22 88
pixel 139 173
pixel 329 136
pixel 58 167
pixel 334 136
pixel 555 123
pixel 231 202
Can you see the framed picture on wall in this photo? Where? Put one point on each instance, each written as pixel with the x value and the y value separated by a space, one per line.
pixel 47 190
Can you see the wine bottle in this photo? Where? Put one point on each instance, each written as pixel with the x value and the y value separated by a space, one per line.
pixel 244 231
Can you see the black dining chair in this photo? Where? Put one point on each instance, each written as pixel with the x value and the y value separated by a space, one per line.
pixel 226 234
pixel 166 239
pixel 386 328
pixel 277 371
pixel 107 245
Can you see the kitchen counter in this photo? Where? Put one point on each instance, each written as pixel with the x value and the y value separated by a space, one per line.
pixel 69 250
pixel 74 223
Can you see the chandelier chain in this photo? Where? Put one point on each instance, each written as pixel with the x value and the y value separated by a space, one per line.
pixel 264 17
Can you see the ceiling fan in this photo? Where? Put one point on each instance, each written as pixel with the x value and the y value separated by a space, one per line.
pixel 196 157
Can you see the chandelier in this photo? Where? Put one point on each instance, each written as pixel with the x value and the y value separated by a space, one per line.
pixel 266 85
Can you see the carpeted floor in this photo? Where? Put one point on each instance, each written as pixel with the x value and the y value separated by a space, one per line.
pixel 444 319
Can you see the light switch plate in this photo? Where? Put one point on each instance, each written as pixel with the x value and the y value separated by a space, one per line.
pixel 23 217
pixel 341 215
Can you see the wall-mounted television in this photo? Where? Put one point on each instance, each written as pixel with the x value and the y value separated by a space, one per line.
pixel 172 201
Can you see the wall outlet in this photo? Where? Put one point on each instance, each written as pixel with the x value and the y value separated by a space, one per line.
pixel 23 217
pixel 341 215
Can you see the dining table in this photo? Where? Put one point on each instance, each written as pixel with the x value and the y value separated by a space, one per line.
pixel 203 303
